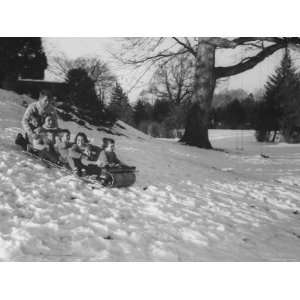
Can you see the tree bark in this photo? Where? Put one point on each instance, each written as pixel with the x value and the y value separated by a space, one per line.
pixel 274 136
pixel 196 130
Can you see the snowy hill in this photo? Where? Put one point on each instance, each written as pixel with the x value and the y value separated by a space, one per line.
pixel 188 204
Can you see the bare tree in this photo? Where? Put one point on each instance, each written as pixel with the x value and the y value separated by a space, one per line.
pixel 173 80
pixel 141 51
pixel 97 70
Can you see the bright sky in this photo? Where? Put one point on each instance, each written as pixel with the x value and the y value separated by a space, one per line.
pixel 75 47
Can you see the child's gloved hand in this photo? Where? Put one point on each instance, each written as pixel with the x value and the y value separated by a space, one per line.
pixel 87 153
pixel 38 130
pixel 34 136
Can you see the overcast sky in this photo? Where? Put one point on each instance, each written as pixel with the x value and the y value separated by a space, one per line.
pixel 75 47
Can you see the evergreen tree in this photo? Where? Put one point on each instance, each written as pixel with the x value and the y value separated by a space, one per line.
pixel 162 109
pixel 234 114
pixel 249 105
pixel 119 105
pixel 277 110
pixel 81 89
pixel 142 111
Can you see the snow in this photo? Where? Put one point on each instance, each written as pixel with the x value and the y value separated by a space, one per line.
pixel 188 204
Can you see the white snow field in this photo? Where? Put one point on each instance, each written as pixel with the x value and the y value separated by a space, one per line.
pixel 188 204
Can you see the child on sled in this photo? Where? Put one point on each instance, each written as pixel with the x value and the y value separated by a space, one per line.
pixel 84 156
pixel 108 157
pixel 62 146
pixel 113 172
pixel 41 141
pixel 77 152
pixel 49 129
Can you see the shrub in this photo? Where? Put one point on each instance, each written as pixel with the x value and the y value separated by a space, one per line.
pixel 262 135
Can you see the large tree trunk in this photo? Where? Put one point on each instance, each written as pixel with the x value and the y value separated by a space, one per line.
pixel 196 130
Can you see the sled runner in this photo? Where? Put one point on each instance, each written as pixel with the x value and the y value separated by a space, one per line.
pixel 123 176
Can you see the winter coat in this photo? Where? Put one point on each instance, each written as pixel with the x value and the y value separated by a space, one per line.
pixel 40 141
pixel 88 157
pixel 76 151
pixel 39 144
pixel 49 130
pixel 35 110
pixel 108 159
pixel 63 149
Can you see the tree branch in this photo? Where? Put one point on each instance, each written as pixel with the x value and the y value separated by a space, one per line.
pixel 186 46
pixel 155 58
pixel 233 43
pixel 278 43
pixel 249 64
pixel 243 40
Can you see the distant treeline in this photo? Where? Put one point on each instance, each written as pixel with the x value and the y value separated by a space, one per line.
pixel 165 118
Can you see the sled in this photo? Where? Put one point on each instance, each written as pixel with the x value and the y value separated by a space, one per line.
pixel 109 177
pixel 116 177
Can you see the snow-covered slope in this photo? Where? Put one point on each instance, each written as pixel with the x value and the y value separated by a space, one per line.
pixel 188 204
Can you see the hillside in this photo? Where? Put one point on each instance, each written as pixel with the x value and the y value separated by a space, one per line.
pixel 188 204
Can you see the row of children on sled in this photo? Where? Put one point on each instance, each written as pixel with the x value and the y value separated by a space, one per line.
pixel 53 144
